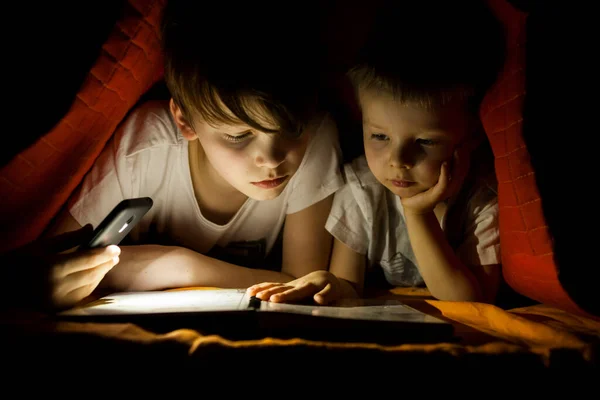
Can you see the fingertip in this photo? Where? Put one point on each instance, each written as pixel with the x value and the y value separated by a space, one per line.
pixel 276 298
pixel 259 295
pixel 114 250
pixel 320 299
pixel 115 260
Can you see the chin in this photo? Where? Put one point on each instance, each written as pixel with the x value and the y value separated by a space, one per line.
pixel 264 194
pixel 404 193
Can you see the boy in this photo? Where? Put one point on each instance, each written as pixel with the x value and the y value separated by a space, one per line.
pixel 421 204
pixel 240 157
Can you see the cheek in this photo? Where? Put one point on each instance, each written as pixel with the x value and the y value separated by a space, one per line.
pixel 432 162
pixel 370 149
pixel 430 171
pixel 227 161
pixel 376 160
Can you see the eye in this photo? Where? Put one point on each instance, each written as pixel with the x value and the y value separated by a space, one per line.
pixel 427 142
pixel 379 137
pixel 238 138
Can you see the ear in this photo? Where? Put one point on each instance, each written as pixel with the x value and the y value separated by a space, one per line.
pixel 186 129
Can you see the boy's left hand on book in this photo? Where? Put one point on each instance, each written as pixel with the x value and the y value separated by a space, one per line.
pixel 322 286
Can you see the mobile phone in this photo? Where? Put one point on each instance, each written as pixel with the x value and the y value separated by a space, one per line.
pixel 119 222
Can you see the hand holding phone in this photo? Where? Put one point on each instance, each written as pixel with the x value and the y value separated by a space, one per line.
pixel 119 222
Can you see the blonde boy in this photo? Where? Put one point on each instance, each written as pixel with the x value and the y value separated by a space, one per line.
pixel 421 204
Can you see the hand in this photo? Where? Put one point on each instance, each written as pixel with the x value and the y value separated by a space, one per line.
pixel 323 286
pixel 448 184
pixel 45 275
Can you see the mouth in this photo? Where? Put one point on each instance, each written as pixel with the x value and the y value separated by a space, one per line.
pixel 401 183
pixel 270 183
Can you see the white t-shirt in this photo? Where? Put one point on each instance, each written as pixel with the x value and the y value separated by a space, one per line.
pixel 369 219
pixel 148 156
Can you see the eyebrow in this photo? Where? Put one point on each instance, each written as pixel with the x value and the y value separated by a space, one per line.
pixel 235 133
pixel 373 125
pixel 231 129
pixel 432 133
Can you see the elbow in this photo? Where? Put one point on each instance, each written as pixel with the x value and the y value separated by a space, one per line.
pixel 463 288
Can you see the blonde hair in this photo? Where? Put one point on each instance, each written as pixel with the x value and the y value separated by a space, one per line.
pixel 423 95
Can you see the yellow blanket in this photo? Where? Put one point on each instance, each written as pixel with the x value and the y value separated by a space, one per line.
pixel 539 335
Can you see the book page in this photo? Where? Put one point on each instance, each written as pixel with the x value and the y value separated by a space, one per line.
pixel 135 303
pixel 388 310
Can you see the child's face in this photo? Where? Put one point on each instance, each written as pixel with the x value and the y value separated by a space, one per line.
pixel 257 164
pixel 405 144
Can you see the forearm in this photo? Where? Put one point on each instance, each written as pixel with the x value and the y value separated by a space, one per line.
pixel 349 290
pixel 349 268
pixel 446 277
pixel 153 267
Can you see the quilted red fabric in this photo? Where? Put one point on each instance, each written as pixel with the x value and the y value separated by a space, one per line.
pixel 527 252
pixel 51 168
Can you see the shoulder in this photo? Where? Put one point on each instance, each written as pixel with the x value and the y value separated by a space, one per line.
pixel 482 193
pixel 473 228
pixel 480 188
pixel 361 190
pixel 323 135
pixel 322 159
pixel 359 177
pixel 149 126
pixel 477 204
pixel 327 126
pixel 319 174
pixel 483 183
pixel 482 206
pixel 322 152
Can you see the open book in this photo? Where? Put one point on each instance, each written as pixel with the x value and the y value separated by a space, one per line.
pixel 233 314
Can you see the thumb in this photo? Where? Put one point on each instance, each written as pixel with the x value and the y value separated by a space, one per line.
pixel 325 296
pixel 68 240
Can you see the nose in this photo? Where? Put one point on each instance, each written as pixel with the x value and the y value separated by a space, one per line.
pixel 271 153
pixel 403 156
